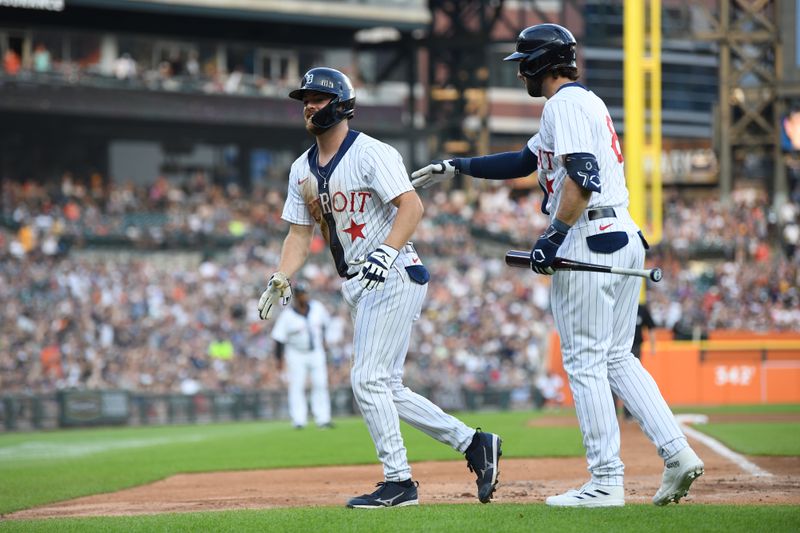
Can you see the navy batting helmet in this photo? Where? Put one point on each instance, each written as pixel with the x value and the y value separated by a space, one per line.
pixel 542 48
pixel 299 287
pixel 328 81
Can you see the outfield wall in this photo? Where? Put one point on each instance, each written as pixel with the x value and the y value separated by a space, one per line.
pixel 732 367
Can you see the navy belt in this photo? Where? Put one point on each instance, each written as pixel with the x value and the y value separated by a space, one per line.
pixel 602 212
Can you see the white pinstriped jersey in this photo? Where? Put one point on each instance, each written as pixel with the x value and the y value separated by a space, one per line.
pixel 576 120
pixel 350 197
pixel 595 314
pixel 302 333
pixel 351 200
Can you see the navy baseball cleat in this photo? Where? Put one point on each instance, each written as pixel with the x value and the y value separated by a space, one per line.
pixel 483 456
pixel 389 494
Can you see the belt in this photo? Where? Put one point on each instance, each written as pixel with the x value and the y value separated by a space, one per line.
pixel 601 212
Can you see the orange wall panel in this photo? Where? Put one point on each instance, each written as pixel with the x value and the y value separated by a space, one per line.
pixel 676 371
pixel 782 382
pixel 730 376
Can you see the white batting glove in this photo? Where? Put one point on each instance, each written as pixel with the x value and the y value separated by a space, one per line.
pixel 376 268
pixel 437 172
pixel 278 290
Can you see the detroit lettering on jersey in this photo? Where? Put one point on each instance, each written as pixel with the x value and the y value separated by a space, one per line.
pixel 352 193
pixel 575 120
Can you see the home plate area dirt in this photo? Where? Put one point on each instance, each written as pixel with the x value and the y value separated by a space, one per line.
pixel 521 481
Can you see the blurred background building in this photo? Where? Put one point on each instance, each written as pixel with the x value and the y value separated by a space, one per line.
pixel 204 87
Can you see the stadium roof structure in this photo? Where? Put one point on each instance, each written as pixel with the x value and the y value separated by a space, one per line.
pixel 403 15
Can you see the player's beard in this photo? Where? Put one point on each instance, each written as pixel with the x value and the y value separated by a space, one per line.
pixel 312 128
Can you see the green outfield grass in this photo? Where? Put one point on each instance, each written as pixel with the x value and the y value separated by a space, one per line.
pixel 43 467
pixel 754 438
pixel 446 518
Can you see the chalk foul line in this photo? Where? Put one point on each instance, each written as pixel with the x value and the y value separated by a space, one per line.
pixel 720 449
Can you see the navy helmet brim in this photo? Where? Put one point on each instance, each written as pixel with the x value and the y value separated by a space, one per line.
pixel 516 56
pixel 299 94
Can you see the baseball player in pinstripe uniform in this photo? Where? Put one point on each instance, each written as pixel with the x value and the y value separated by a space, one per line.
pixel 580 170
pixel 357 190
pixel 299 335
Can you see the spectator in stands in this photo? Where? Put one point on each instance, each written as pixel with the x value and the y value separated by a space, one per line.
pixel 154 334
pixel 234 81
pixel 125 67
pixel 192 66
pixel 41 59
pixel 11 62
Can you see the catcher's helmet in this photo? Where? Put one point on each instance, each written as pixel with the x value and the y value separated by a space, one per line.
pixel 542 48
pixel 329 81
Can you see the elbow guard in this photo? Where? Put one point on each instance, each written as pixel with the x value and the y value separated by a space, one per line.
pixel 582 167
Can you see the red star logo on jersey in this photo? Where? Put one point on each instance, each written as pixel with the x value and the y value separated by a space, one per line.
pixel 355 230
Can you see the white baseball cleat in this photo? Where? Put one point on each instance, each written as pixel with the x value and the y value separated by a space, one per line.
pixel 590 495
pixel 680 471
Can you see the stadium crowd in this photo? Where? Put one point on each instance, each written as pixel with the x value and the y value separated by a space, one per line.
pixel 141 63
pixel 74 316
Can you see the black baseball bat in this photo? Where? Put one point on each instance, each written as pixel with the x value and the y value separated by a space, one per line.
pixel 522 259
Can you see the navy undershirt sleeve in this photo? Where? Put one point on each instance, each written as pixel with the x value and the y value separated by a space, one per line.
pixel 503 166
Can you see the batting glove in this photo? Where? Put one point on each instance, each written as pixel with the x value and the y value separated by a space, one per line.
pixel 544 251
pixel 437 172
pixel 376 268
pixel 278 290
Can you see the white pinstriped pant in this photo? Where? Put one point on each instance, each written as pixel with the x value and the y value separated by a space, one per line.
pixel 300 365
pixel 383 321
pixel 595 315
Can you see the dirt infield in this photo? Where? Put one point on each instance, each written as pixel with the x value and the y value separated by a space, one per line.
pixel 521 481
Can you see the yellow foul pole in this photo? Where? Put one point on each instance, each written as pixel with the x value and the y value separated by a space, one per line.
pixel 634 106
pixel 642 41
pixel 653 147
pixel 642 86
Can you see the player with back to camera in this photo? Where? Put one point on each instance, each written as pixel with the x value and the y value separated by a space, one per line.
pixel 580 170
pixel 299 335
pixel 357 189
